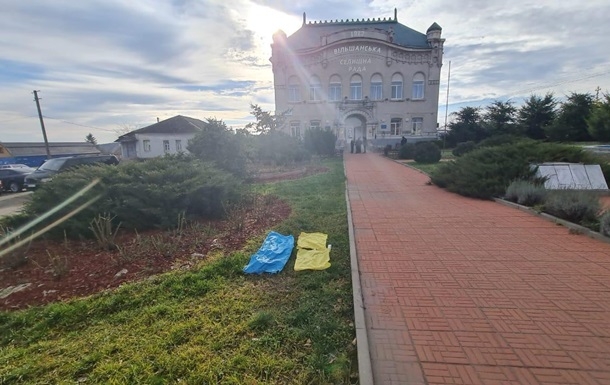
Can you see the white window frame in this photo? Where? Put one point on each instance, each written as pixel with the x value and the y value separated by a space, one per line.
pixel 315 124
pixel 397 87
pixel 395 126
pixel 355 88
pixel 376 87
pixel 315 89
pixel 295 129
pixel 146 145
pixel 418 89
pixel 417 124
pixel 334 92
pixel 178 145
pixel 166 147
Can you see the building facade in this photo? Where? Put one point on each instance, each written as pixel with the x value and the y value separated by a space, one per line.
pixel 170 136
pixel 376 80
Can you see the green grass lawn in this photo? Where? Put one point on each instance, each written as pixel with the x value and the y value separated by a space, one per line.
pixel 211 325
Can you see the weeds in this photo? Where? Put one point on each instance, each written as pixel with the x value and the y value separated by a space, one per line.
pixel 17 257
pixel 58 264
pixel 101 226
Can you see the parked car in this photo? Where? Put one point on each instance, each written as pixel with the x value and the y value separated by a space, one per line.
pixel 51 167
pixel 16 165
pixel 13 179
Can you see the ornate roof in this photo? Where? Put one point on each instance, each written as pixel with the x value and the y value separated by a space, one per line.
pixel 309 36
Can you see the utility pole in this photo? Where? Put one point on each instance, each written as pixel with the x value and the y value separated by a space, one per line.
pixel 447 103
pixel 44 132
pixel 597 93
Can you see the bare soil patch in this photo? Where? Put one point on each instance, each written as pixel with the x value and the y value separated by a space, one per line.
pixel 58 270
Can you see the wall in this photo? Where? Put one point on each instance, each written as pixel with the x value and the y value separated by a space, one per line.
pixel 156 144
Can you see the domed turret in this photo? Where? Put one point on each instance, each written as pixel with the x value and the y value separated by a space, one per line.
pixel 434 32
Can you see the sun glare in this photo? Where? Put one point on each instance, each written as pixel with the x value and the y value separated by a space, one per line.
pixel 265 21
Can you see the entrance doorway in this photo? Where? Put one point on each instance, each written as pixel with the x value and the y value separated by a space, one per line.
pixel 355 129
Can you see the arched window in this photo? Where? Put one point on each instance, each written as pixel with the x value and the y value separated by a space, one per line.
pixel 334 88
pixel 418 86
pixel 376 87
pixel 294 93
pixel 355 88
pixel 315 88
pixel 396 86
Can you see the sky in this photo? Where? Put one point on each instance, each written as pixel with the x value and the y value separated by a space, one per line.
pixel 110 66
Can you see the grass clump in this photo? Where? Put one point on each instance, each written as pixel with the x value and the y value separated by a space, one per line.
pixel 575 206
pixel 525 193
pixel 604 224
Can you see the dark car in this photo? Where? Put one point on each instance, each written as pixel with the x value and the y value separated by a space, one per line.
pixel 51 167
pixel 13 178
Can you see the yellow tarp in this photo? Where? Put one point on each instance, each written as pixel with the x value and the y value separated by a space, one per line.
pixel 312 253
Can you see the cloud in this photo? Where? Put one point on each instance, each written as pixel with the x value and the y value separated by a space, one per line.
pixel 105 63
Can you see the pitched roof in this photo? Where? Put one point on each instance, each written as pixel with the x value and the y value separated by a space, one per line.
pixel 310 35
pixel 56 148
pixel 434 27
pixel 175 125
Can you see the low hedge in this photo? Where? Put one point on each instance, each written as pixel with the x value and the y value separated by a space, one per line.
pixel 139 195
pixel 486 172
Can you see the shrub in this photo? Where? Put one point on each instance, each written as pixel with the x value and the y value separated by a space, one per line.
pixel 463 148
pixel 279 149
pixel 141 195
pixel 604 224
pixel 486 172
pixel 216 143
pixel 574 206
pixel 498 140
pixel 525 193
pixel 427 152
pixel 387 149
pixel 320 141
pixel 406 151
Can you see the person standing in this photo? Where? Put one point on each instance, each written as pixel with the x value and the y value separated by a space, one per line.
pixel 358 146
pixel 403 141
pixel 351 143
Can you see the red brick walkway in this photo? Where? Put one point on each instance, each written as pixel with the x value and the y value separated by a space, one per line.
pixel 463 291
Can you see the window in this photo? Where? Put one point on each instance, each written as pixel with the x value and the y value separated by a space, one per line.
pixel 355 88
pixel 166 146
pixel 334 89
pixel 314 124
pixel 146 144
pixel 376 87
pixel 315 89
pixel 396 86
pixel 295 129
pixel 416 125
pixel 294 94
pixel 178 145
pixel 418 86
pixel 395 125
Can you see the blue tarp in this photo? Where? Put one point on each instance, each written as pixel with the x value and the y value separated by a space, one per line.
pixel 272 256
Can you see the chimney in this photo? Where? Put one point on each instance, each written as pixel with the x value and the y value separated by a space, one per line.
pixel 157 119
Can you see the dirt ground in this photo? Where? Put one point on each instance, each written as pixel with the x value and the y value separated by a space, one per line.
pixel 52 271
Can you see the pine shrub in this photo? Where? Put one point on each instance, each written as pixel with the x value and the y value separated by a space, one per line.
pixel 575 206
pixel 463 148
pixel 427 152
pixel 526 193
pixel 487 172
pixel 406 151
pixel 140 195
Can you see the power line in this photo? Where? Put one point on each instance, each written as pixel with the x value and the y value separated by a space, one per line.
pixel 78 124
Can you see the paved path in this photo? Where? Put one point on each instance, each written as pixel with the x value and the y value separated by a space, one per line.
pixel 463 291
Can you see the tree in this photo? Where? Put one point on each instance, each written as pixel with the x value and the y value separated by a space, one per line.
pixel 218 144
pixel 90 139
pixel 265 120
pixel 466 126
pixel 571 122
pixel 500 118
pixel 598 123
pixel 537 113
pixel 320 141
